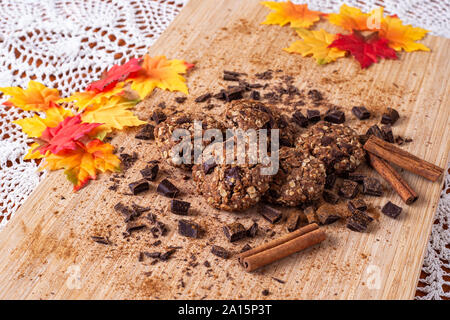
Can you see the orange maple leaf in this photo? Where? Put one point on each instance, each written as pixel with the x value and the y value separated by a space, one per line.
pixel 402 36
pixel 351 18
pixel 37 97
pixel 158 72
pixel 298 15
pixel 83 163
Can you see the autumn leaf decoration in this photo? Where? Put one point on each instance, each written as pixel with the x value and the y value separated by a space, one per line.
pixel 372 36
pixel 68 132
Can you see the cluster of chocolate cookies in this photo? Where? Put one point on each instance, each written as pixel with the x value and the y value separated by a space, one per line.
pixel 305 156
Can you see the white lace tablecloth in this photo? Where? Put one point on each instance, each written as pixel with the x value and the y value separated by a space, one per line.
pixel 66 44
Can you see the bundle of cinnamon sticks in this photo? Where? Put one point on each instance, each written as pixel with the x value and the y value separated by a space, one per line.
pixel 381 153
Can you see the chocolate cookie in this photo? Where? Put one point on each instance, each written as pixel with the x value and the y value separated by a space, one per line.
pixel 300 178
pixel 289 130
pixel 337 145
pixel 231 187
pixel 248 114
pixel 171 149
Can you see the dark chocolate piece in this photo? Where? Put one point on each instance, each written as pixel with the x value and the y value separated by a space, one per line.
pixel 330 180
pixel 188 229
pixel 253 230
pixel 150 172
pixel 165 256
pixel 208 166
pixel 375 130
pixel 269 213
pixel 230 77
pixel 388 136
pixel 372 186
pixel 313 115
pixel 292 221
pixel 335 116
pixel 154 255
pixel 358 221
pixel 101 240
pixel 361 112
pixel 167 189
pixel 266 75
pixel 127 212
pixel 348 189
pixel 139 186
pixel 390 116
pixel 246 248
pixel 128 160
pixel 315 95
pixel 391 210
pixel 220 252
pixel 310 214
pixel 362 138
pixel 327 214
pixel 234 93
pixel 180 99
pixel 255 95
pixel 158 116
pixel 134 226
pixel 233 73
pixel 179 207
pixel 146 133
pixel 234 231
pixel 300 119
pixel 203 97
pixel 330 196
pixel 357 204
pixel 139 210
pixel 356 176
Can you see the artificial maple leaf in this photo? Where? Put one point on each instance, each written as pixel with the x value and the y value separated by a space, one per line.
pixel 351 18
pixel 33 152
pixel 298 15
pixel 84 99
pixel 65 135
pixel 114 113
pixel 116 74
pixel 316 43
pixel 35 126
pixel 402 36
pixel 365 49
pixel 83 163
pixel 36 97
pixel 158 72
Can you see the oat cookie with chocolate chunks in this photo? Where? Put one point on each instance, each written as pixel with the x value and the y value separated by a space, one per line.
pixel 248 114
pixel 337 145
pixel 165 142
pixel 300 178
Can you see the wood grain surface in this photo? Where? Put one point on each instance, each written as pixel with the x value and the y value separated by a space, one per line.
pixel 46 250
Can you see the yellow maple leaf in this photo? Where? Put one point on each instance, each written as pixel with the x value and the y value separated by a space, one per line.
pixel 158 72
pixel 402 36
pixel 33 153
pixel 298 15
pixel 83 163
pixel 36 97
pixel 114 113
pixel 84 99
pixel 351 18
pixel 316 43
pixel 34 126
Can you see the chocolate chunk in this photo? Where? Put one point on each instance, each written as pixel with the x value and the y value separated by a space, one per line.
pixel 230 77
pixel 358 221
pixel 390 116
pixel 167 189
pixel 357 204
pixel 158 116
pixel 246 248
pixel 270 214
pixel 310 214
pixel 388 136
pixel 313 115
pixel 179 207
pixel 335 116
pixel 253 230
pixel 300 119
pixel 128 160
pixel 183 119
pixel 255 95
pixel 101 240
pixel 315 95
pixel 266 75
pixel 362 138
pixel 292 221
pixel 372 186
pixel 150 172
pixel 234 93
pixel 208 166
pixel 348 189
pixel 151 217
pixel 391 210
pixel 375 130
pixel 146 133
pixel 180 99
pixel 265 292
pixel 139 186
pixel 330 180
pixel 127 212
pixel 154 255
pixel 327 214
pixel 188 229
pixel 361 112
pixel 165 256
pixel 156 243
pixel 203 97
pixel 330 196
pixel 139 210
pixel 356 176
pixel 220 252
pixel 232 175
pixel 133 226
pixel 399 140
pixel 162 105
pixel 234 231
pixel 233 73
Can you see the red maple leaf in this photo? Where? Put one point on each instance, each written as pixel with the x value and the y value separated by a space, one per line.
pixel 116 74
pixel 65 135
pixel 366 50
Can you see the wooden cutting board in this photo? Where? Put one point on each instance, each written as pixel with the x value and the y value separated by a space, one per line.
pixel 46 251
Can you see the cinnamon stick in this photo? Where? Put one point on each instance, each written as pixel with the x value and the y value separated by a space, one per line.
pixel 282 247
pixel 389 174
pixel 402 158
